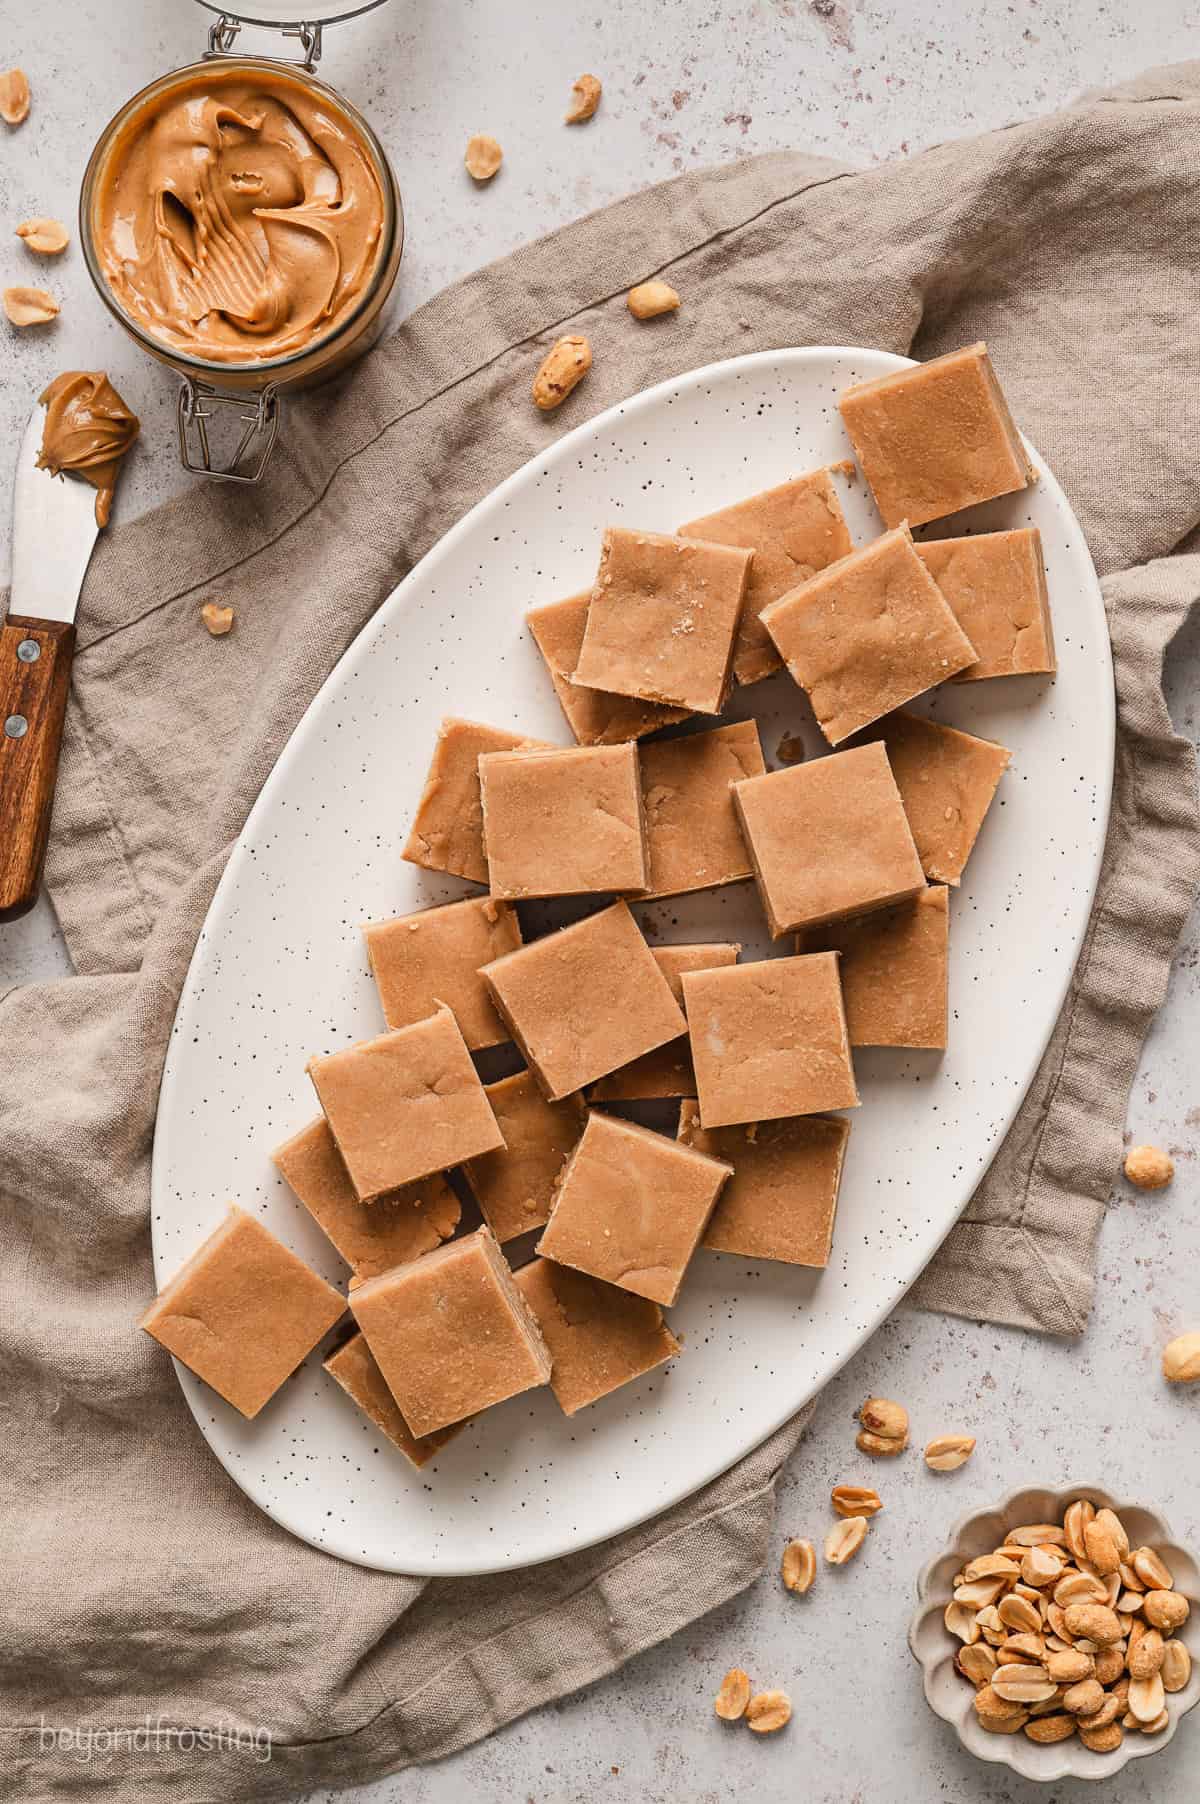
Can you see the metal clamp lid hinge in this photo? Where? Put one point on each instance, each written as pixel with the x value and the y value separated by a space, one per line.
pixel 258 413
pixel 222 35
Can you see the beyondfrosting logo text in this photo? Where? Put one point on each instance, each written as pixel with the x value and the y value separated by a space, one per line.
pixel 88 1742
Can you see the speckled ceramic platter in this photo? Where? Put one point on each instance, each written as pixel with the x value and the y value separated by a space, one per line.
pixel 279 973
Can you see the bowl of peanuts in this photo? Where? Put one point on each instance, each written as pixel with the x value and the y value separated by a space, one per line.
pixel 1054 1633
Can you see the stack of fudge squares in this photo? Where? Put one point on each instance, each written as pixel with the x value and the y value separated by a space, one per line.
pixel 853 853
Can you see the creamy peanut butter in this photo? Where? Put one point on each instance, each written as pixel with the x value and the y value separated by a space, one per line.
pixel 239 216
pixel 88 429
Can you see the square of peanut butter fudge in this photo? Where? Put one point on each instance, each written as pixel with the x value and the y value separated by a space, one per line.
pixel 423 961
pixel 447 831
pixel 893 965
pixel 947 780
pixel 781 1201
pixel 514 1187
pixel 936 437
pixel 769 1039
pixel 829 839
pixel 599 1337
pixel 404 1104
pixel 794 530
pixel 563 823
pixel 451 1333
pixel 369 1236
pixel 867 634
pixel 243 1312
pixel 662 619
pixel 354 1368
pixel 631 1207
pixel 595 716
pixel 668 1070
pixel 584 1000
pixel 692 832
pixel 995 583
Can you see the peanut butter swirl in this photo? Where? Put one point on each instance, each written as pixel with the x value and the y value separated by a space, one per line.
pixel 239 217
pixel 88 430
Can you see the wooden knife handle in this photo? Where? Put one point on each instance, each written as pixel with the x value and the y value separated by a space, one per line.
pixel 35 676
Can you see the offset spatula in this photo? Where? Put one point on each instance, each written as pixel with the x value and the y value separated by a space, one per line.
pixel 54 529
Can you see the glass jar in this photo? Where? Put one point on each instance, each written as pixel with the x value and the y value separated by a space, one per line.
pixel 250 390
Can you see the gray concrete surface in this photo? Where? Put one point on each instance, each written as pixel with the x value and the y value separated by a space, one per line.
pixel 691 82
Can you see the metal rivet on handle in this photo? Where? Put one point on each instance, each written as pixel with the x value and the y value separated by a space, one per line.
pixel 29 651
pixel 16 726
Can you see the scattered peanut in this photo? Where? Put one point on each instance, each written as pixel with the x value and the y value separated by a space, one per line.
pixel 878 1445
pixel 1080 1588
pixel 45 236
pixel 855 1500
pixel 586 94
pixel 1165 1610
pixel 963 1621
pixel 1148 1167
pixel 565 365
pixel 1037 1534
pixel 1146 1697
pixel 1050 1728
pixel 977 1662
pixel 978 1593
pixel 483 157
pixel 1176 1666
pixel 844 1539
pixel 888 1420
pixel 1181 1359
pixel 1103 1740
pixel 799 1566
pixel 1070 1666
pixel 1023 1683
pixel 1093 1622
pixel 649 299
pixel 949 1451
pixel 990 1707
pixel 731 1700
pixel 1146 1658
pixel 990 1565
pixel 1019 1614
pixel 1102 1549
pixel 14 96
pixel 219 621
pixel 29 306
pixel 1075 1522
pixel 1083 1698
pixel 1109 1711
pixel 1041 1566
pixel 1114 1528
pixel 1024 1647
pixel 769 1712
pixel 1151 1569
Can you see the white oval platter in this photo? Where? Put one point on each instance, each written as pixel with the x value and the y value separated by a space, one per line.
pixel 279 972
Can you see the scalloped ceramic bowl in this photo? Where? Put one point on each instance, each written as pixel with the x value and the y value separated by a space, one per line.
pixel 933 1646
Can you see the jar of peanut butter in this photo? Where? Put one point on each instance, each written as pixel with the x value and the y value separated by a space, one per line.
pixel 241 221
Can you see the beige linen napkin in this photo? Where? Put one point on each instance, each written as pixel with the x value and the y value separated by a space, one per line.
pixel 138 1582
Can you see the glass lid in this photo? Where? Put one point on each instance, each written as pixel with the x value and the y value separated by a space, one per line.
pixel 293 13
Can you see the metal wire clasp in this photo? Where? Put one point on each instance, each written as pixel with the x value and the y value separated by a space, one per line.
pixel 259 414
pixel 223 33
